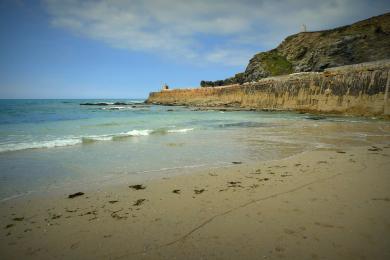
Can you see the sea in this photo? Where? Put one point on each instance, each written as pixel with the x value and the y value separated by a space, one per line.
pixel 52 145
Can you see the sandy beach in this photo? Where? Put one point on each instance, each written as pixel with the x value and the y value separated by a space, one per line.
pixel 321 204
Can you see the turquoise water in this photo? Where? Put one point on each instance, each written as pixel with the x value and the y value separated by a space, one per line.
pixel 48 144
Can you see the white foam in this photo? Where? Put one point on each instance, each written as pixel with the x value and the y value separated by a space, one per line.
pixel 138 132
pixel 15 196
pixel 184 130
pixel 137 101
pixel 116 108
pixel 111 137
pixel 38 145
pixel 86 139
pixel 69 141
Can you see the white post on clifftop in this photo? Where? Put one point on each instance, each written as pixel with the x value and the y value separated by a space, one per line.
pixel 303 28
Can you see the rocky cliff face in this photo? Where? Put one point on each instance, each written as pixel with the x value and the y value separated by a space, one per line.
pixel 361 89
pixel 364 41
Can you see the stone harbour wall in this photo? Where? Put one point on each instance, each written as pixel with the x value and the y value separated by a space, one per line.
pixel 360 89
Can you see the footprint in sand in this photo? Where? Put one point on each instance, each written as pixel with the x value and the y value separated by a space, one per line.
pixel 325 225
pixel 199 191
pixel 139 202
pixel 319 162
pixel 374 149
pixel 289 231
pixel 383 199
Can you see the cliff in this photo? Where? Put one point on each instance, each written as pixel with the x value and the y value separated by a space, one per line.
pixel 364 41
pixel 360 89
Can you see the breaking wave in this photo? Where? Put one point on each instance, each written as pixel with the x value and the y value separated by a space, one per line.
pixel 70 141
pixel 38 145
pixel 184 130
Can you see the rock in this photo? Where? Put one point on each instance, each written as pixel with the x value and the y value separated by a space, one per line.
pixel 374 149
pixel 236 162
pixel 139 202
pixel 233 184
pixel 95 104
pixel 316 117
pixel 71 196
pixel 199 191
pixel 9 226
pixel 137 187
pixel 56 216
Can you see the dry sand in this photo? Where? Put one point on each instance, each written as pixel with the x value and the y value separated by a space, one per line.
pixel 322 204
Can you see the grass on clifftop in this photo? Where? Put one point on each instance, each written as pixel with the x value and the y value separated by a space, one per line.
pixel 275 63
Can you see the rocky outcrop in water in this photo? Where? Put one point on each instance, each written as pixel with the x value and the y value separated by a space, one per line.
pixel 364 41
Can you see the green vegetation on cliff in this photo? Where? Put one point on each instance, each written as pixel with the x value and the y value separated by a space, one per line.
pixel 272 64
pixel 364 41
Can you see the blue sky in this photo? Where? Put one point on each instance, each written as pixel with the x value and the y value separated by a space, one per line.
pixel 125 49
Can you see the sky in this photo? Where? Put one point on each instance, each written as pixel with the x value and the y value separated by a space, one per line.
pixel 126 49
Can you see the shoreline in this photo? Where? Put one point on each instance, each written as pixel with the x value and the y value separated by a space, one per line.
pixel 135 177
pixel 324 203
pixel 258 137
pixel 307 112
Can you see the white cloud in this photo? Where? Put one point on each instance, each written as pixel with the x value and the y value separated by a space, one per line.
pixel 224 32
pixel 230 57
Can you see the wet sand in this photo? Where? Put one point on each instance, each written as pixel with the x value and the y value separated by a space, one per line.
pixel 321 204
